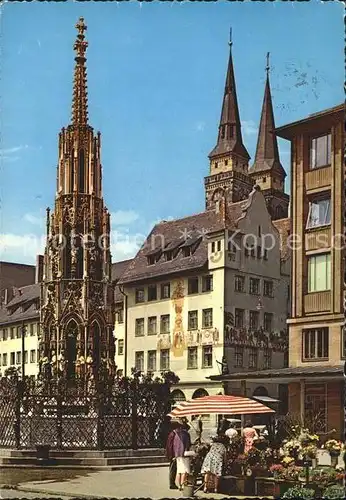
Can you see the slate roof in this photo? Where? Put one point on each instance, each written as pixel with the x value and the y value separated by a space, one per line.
pixel 118 269
pixel 284 228
pixel 188 229
pixel 25 296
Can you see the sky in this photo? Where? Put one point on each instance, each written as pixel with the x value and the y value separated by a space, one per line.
pixel 156 74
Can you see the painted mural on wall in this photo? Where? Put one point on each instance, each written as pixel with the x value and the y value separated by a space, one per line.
pixel 179 340
pixel 196 338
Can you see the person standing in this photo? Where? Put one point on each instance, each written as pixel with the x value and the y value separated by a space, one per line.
pixel 181 444
pixel 231 433
pixel 213 462
pixel 250 435
pixel 171 457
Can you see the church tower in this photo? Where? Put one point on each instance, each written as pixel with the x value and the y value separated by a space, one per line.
pixel 267 170
pixel 228 174
pixel 76 294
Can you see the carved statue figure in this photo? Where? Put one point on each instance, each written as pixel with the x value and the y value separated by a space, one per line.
pixel 45 368
pixel 54 364
pixel 89 364
pixel 80 364
pixel 61 362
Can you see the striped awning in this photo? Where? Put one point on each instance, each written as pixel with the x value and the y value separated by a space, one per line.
pixel 219 405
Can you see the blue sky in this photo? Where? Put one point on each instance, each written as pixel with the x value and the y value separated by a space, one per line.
pixel 156 75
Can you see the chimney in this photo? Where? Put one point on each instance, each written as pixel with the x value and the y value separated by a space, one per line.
pixel 39 269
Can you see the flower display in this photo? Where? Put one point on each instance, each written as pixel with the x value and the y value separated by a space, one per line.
pixel 276 468
pixel 309 451
pixel 333 446
pixel 287 460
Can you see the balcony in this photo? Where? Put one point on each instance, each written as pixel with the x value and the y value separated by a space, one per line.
pixel 318 178
pixel 317 302
pixel 317 238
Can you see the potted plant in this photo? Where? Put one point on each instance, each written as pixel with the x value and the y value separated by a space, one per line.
pixel 334 448
pixel 334 492
pixel 299 493
pixel 276 470
pixel 309 452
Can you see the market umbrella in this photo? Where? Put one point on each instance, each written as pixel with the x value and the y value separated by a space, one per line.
pixel 219 405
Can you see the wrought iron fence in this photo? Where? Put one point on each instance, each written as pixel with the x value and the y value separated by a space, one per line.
pixel 74 414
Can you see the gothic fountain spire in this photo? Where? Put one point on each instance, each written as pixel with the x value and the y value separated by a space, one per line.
pixel 80 93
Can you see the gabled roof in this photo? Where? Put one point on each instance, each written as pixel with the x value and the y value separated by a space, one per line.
pixel 118 268
pixel 187 230
pixel 26 297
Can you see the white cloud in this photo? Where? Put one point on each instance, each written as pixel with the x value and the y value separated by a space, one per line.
pixel 6 154
pixel 249 127
pixel 200 126
pixel 123 217
pixel 21 247
pixel 34 219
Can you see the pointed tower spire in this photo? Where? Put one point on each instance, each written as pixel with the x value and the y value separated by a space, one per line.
pixel 267 170
pixel 80 94
pixel 267 152
pixel 229 137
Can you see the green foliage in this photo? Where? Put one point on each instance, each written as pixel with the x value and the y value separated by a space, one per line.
pixel 299 493
pixel 334 492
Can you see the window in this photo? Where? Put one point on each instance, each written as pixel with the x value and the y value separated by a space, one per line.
pixel 25 356
pixel 4 359
pixel 19 332
pixel 226 163
pixel 164 359
pixel 139 295
pixel 207 356
pixel 139 361
pixel 267 359
pixel 213 247
pixel 192 357
pixel 121 316
pixel 151 361
pixel 253 357
pixel 192 285
pixel 139 330
pixel 268 288
pixel 254 320
pixel 231 247
pixel 13 360
pixel 238 356
pixel 216 164
pixel 239 318
pixel 320 151
pixel 264 179
pixel 207 318
pixel 12 333
pixel 319 272
pixel 165 291
pixel 19 357
pixel 315 343
pixel 239 284
pixel 152 325
pixel 193 320
pixel 152 292
pixel 151 260
pixel 268 322
pixel 121 347
pixel 315 406
pixel 319 213
pixel 254 286
pixel 207 283
pixel 33 356
pixel 187 251
pixel 219 246
pixel 168 255
pixel 5 333
pixel 164 323
pixel 31 329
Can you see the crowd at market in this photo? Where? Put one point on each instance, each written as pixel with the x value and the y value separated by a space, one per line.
pixel 285 455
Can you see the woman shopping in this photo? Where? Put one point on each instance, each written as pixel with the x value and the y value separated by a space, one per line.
pixel 214 462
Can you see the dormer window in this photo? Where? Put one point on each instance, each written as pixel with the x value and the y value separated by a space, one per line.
pixel 168 255
pixel 151 260
pixel 187 251
pixel 153 256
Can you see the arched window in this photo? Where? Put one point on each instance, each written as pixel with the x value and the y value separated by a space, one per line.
pixel 78 245
pixel 67 254
pixel 200 393
pixel 177 395
pixel 260 391
pixel 96 341
pixel 72 171
pixel 81 171
pixel 71 336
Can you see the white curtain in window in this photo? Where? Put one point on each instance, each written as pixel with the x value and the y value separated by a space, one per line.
pixel 319 270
